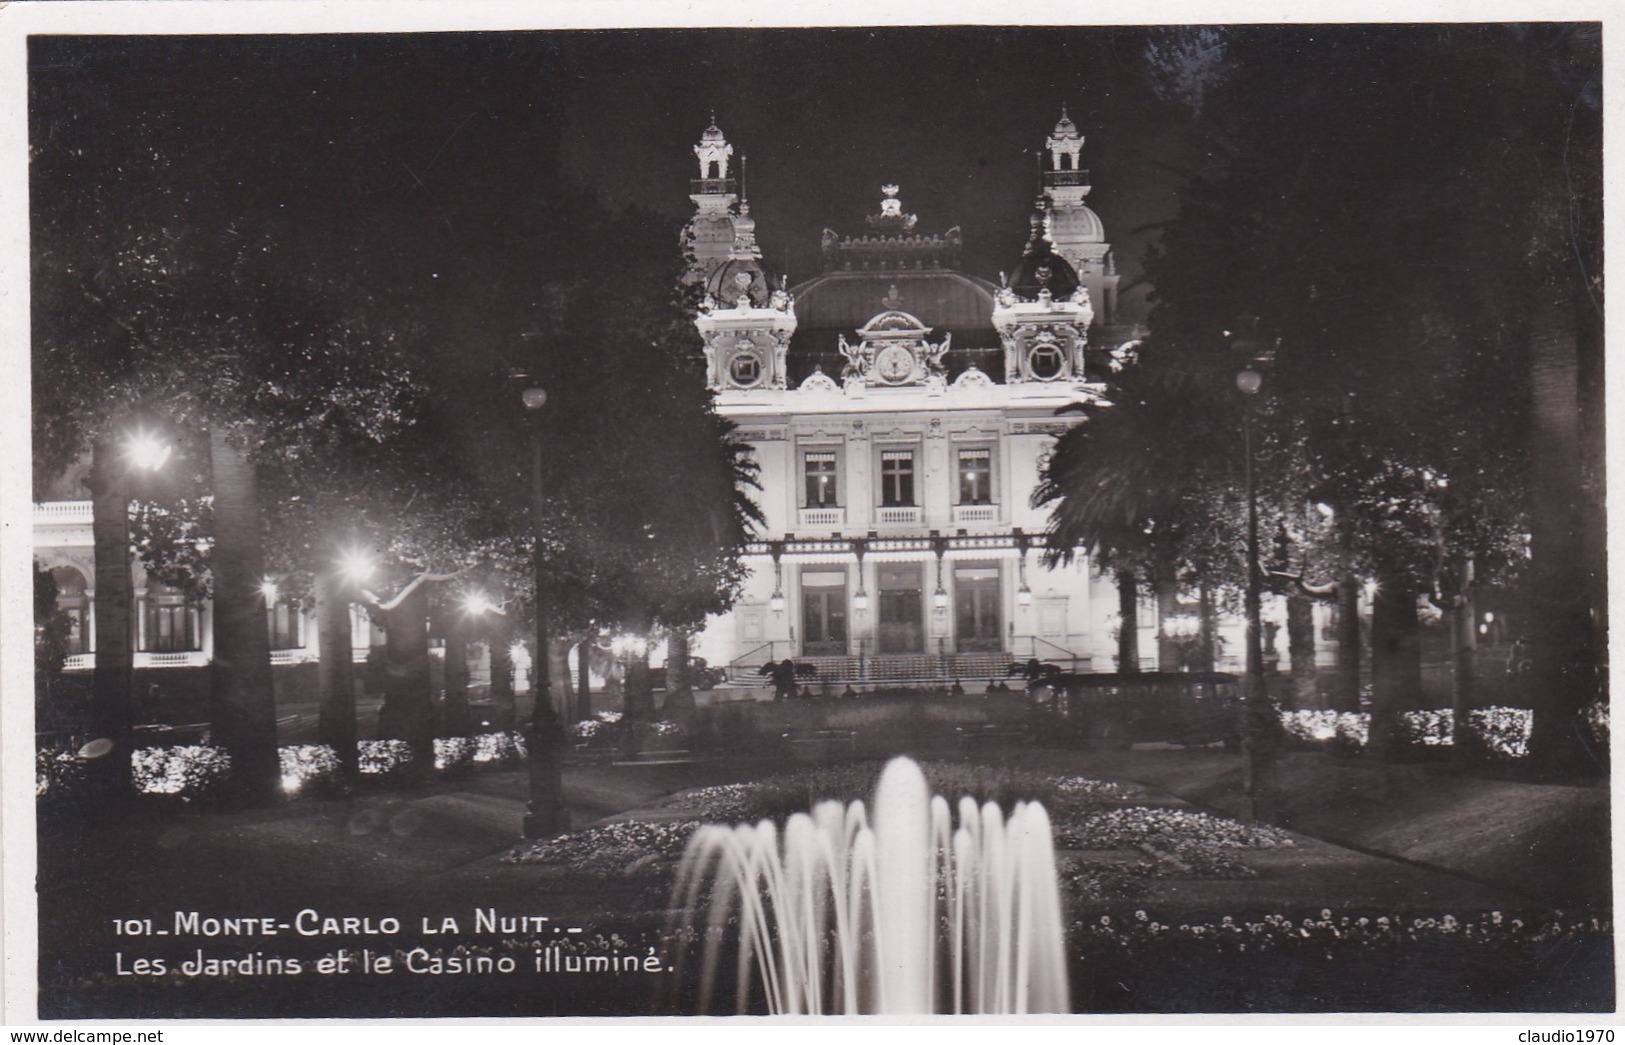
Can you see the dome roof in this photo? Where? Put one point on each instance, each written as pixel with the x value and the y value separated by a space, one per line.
pixel 1041 268
pixel 713 133
pixel 1065 128
pixel 738 276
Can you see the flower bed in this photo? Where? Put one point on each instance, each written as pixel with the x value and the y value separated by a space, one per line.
pixel 193 772
pixel 308 767
pixel 606 731
pixel 1341 961
pixel 188 772
pixel 1499 733
pixel 381 757
pixel 781 794
pixel 1180 842
pixel 628 849
pixel 57 773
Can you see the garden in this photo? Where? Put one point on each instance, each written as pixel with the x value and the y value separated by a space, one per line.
pixel 1130 863
pixel 1166 907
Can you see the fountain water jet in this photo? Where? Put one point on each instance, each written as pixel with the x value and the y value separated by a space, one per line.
pixel 911 914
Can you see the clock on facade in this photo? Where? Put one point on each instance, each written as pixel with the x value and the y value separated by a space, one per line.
pixel 894 364
pixel 745 368
pixel 1045 362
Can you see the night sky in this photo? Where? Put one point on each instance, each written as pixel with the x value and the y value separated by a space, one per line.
pixel 437 136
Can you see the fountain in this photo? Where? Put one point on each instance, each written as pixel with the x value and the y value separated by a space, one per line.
pixel 910 914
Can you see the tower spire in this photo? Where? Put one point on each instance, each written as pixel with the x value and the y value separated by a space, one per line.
pixel 1073 230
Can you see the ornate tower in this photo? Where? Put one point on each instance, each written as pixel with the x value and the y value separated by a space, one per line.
pixel 1076 231
pixel 746 323
pixel 1042 313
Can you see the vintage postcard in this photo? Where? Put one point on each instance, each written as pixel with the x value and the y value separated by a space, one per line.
pixel 530 517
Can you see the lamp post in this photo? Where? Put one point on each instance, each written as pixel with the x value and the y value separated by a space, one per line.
pixel 545 815
pixel 1255 698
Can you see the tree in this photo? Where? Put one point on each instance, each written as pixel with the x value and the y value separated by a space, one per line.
pixel 1378 251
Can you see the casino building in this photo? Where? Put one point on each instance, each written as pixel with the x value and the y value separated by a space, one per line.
pixel 900 411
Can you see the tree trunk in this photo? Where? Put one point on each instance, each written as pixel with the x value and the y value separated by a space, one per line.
pixel 335 671
pixel 244 703
pixel 1564 656
pixel 1396 664
pixel 1206 651
pixel 1346 697
pixel 679 691
pixel 1300 640
pixel 500 644
pixel 558 670
pixel 564 683
pixel 113 685
pixel 584 679
pixel 1128 631
pixel 455 720
pixel 408 711
pixel 1171 655
pixel 1464 681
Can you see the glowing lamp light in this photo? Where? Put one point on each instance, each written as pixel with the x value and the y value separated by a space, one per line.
pixel 776 601
pixel 475 603
pixel 1489 618
pixel 1024 596
pixel 146 451
pixel 1249 381
pixel 629 645
pixel 1180 627
pixel 534 398
pixel 268 589
pixel 860 600
pixel 939 599
pixel 356 565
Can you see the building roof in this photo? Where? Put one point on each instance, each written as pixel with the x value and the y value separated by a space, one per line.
pixel 942 299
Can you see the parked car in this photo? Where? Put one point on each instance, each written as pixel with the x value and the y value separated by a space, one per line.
pixel 701 675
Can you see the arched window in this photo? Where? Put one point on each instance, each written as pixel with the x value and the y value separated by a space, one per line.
pixel 72 601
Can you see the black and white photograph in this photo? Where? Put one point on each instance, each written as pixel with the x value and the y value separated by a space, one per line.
pixel 809 521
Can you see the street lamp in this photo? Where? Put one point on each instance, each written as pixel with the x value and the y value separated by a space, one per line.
pixel 860 600
pixel 776 600
pixel 147 451
pixel 1255 699
pixel 546 815
pixel 356 565
pixel 1024 594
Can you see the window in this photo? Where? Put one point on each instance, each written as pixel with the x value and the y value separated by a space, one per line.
pixel 896 478
pixel 823 611
pixel 976 476
pixel 72 602
pixel 820 472
pixel 171 621
pixel 976 607
pixel 285 624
